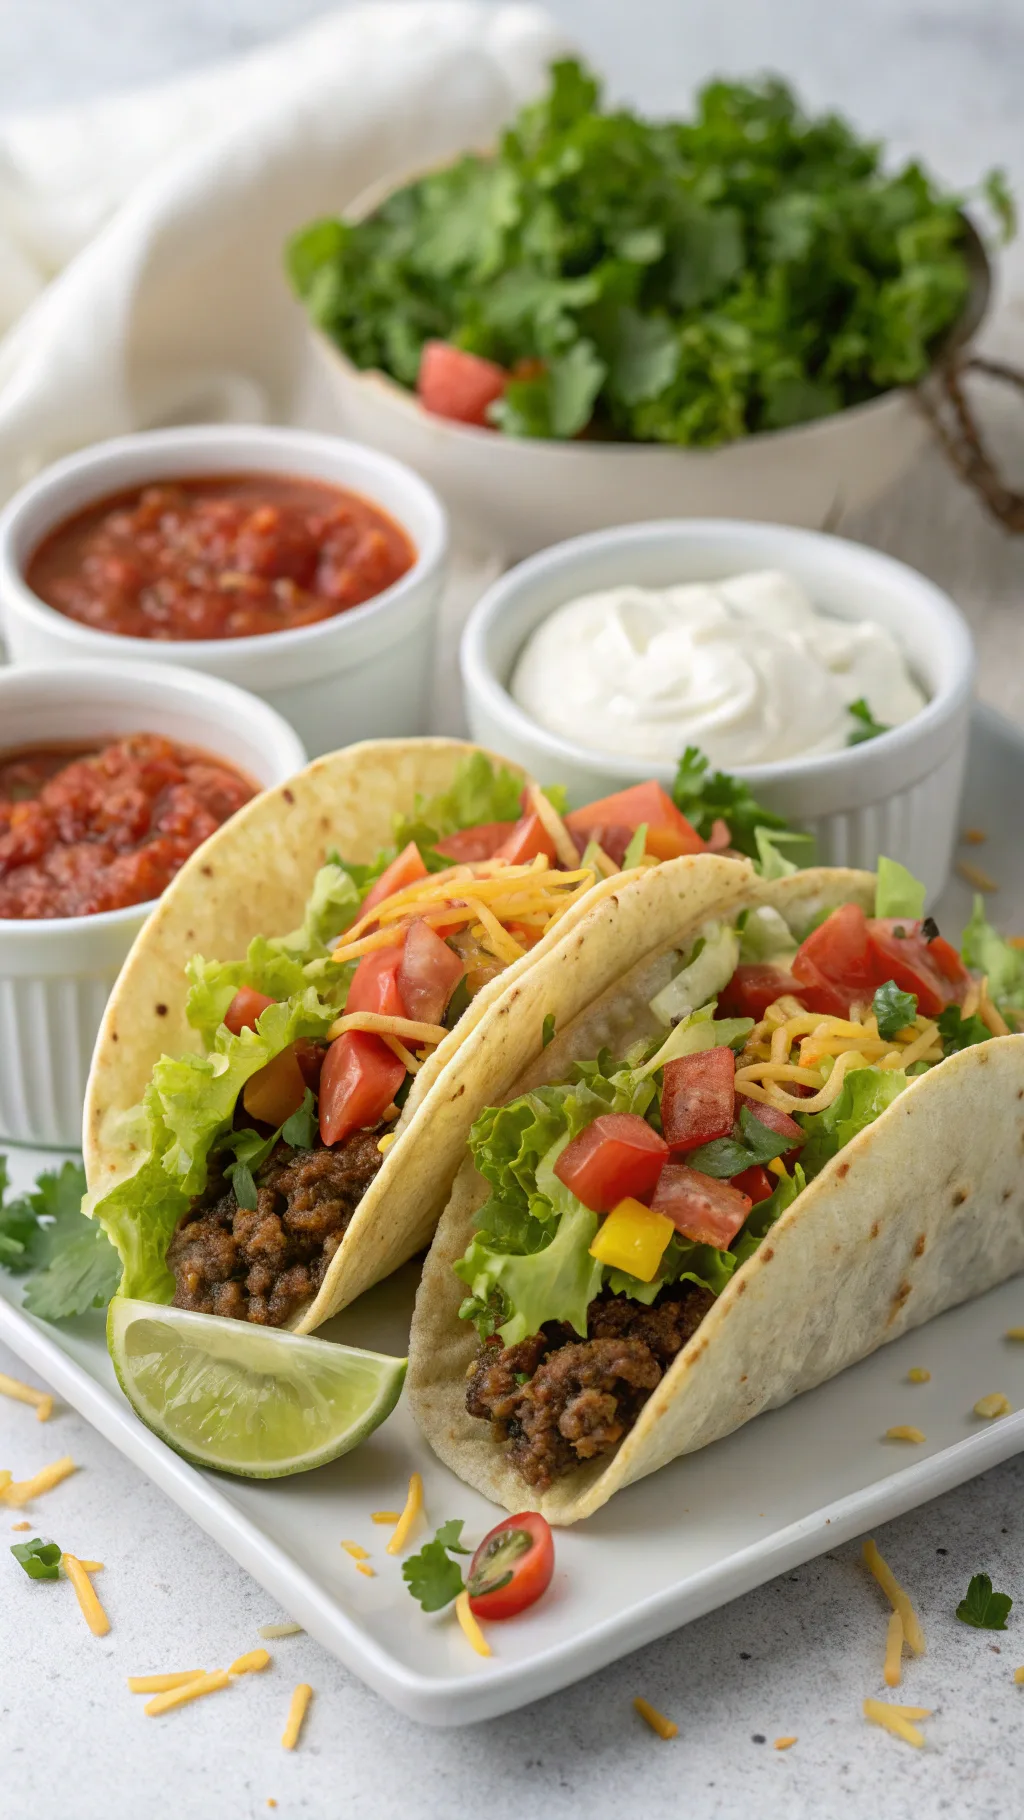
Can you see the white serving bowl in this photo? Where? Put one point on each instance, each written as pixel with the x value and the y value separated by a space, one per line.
pixel 367 671
pixel 896 794
pixel 56 973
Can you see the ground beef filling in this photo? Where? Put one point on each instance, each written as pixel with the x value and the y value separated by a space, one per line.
pixel 557 1400
pixel 262 1265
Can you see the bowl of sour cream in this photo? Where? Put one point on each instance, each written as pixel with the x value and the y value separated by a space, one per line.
pixel 834 679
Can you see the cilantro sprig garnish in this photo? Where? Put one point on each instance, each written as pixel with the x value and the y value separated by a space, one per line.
pixel 707 796
pixel 894 1010
pixel 41 1560
pixel 432 1576
pixel 867 726
pixel 984 1609
pixel 73 1265
pixel 729 1156
pixel 960 1032
pixel 251 1150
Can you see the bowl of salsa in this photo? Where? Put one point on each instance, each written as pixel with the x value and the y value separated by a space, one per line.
pixel 302 567
pixel 110 779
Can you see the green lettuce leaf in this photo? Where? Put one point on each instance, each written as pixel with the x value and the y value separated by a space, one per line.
pixel 898 892
pixel 479 792
pixel 866 1092
pixel 985 951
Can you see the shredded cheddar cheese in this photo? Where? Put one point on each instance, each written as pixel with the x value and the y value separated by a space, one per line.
pixel 92 1610
pixel 552 823
pixel 897 1597
pixel 665 1728
pixel 252 1663
pixel 296 1714
pixel 993 1406
pixel 1015 1333
pixel 18 1492
pixel 189 1690
pixel 893 1669
pixel 470 1628
pixel 164 1684
pixel 22 1525
pixel 380 1025
pixel 1018 1676
pixel 904 1433
pixel 783 1743
pixel 356 1550
pixel 280 1630
pixel 413 1506
pixel 92 1567
pixel 975 875
pixel 892 1720
pixel 5 1480
pixel 384 1516
pixel 384 1144
pixel 363 1567
pixel 918 1375
pixel 40 1400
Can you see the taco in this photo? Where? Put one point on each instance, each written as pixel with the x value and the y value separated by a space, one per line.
pixel 269 1133
pixel 762 1150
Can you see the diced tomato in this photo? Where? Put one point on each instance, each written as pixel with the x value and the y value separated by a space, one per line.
pixel 358 1082
pixel 528 838
pixel 452 383
pixel 697 1098
pixel 835 962
pixel 616 1158
pixel 428 974
pixel 936 979
pixel 481 842
pixel 753 988
pixel 310 1057
pixel 246 1006
pixel 512 1566
pixel 404 870
pixel 375 984
pixel 669 834
pixel 774 1118
pixel 526 934
pixel 277 1090
pixel 755 1182
pixel 708 1211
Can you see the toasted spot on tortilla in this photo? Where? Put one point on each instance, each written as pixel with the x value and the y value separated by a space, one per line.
pixel 743 1379
pixel 898 1299
pixel 874 1231
pixel 289 795
pixel 919 1245
pixel 459 1090
pixel 113 1036
pixel 161 1010
pixel 1007 1193
pixel 959 1197
pixel 741 1285
pixel 843 1169
pixel 767 1254
pixel 207 871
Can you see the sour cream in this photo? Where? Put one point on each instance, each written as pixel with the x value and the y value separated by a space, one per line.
pixel 748 669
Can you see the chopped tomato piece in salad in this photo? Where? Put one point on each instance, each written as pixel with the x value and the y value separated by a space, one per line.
pixel 836 962
pixel 512 1566
pixel 669 834
pixel 701 1208
pixel 470 844
pixel 427 975
pixel 753 987
pixel 375 983
pixel 404 870
pixel 697 1098
pixel 932 970
pixel 453 383
pixel 755 1183
pixel 617 1157
pixel 245 1008
pixel 358 1083
pixel 528 838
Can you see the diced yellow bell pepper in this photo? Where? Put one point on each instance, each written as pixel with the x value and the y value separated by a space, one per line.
pixel 633 1238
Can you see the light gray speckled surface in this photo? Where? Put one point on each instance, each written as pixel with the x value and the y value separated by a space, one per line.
pixel 797 1657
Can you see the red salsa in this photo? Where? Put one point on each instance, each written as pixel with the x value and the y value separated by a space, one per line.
pixel 225 556
pixel 84 831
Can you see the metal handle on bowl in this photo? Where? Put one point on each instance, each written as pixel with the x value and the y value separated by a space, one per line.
pixel 944 402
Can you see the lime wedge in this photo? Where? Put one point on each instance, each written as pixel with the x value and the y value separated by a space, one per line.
pixel 253 1401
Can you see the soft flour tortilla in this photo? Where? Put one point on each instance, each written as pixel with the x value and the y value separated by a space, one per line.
pixel 922 1210
pixel 253 878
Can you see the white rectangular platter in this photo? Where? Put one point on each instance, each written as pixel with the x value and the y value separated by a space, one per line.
pixel 703 1531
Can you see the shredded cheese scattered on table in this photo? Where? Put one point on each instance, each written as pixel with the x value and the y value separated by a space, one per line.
pixel 22 1525
pixel 363 1567
pixel 413 1506
pixel 384 1516
pixel 903 1432
pixel 974 836
pixel 296 1714
pixel 975 875
pixel 1018 1676
pixel 891 1720
pixel 918 1375
pixel 5 1480
pixel 279 1630
pixel 993 1406
pixel 252 1663
pixel 784 1743
pixel 665 1728
pixel 40 1400
pixel 356 1550
pixel 1015 1333
pixel 189 1690
pixel 19 1492
pixel 470 1628
pixel 91 1567
pixel 164 1684
pixel 898 1598
pixel 92 1610
pixel 893 1669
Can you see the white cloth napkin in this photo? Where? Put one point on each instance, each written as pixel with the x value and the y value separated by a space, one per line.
pixel 142 235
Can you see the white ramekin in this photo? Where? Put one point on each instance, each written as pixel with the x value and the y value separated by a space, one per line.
pixel 896 794
pixel 365 672
pixel 56 973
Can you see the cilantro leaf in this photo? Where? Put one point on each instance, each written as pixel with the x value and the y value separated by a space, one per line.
pixel 251 1150
pixel 729 1156
pixel 300 1131
pixel 431 1576
pixel 706 797
pixel 893 1009
pixel 74 1266
pixel 867 726
pixel 959 1032
pixel 41 1560
pixel 983 1608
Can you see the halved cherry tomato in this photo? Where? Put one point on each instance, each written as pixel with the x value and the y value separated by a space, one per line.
pixel 528 838
pixel 669 834
pixel 753 988
pixel 481 842
pixel 404 870
pixel 697 1098
pixel 616 1158
pixel 512 1566
pixel 754 1182
pixel 452 383
pixel 774 1118
pixel 835 963
pixel 358 1082
pixel 428 974
pixel 375 983
pixel 245 1008
pixel 703 1209
pixel 277 1090
pixel 910 960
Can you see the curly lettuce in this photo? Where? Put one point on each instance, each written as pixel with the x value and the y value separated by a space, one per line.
pixel 865 1094
pixel 986 951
